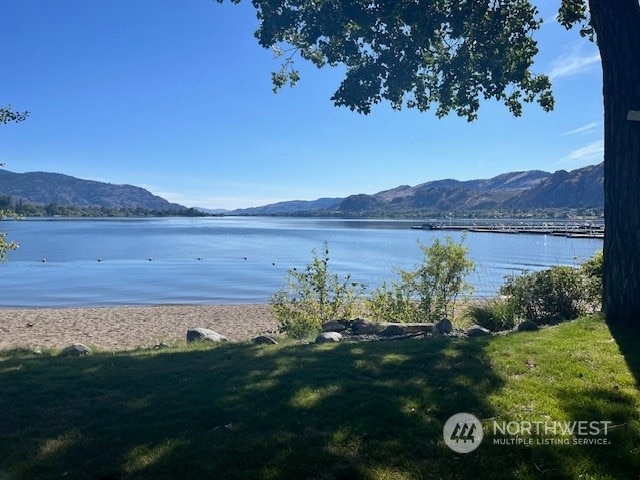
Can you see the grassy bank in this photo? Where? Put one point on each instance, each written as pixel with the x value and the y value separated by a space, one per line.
pixel 367 410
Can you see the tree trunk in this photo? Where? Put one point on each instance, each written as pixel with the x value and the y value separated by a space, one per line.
pixel 617 27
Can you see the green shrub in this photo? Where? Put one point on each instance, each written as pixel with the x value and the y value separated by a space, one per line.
pixel 393 303
pixel 314 296
pixel 592 270
pixel 5 245
pixel 429 292
pixel 558 293
pixel 496 314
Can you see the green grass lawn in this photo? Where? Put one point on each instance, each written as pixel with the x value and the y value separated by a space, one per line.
pixel 368 410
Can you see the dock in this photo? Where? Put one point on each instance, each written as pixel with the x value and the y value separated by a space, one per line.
pixel 561 229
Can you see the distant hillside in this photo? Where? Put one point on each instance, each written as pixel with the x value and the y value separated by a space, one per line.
pixel 41 188
pixel 524 190
pixel 212 211
pixel 582 188
pixel 291 207
pixel 527 190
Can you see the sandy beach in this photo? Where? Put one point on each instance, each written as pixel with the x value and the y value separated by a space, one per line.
pixel 125 328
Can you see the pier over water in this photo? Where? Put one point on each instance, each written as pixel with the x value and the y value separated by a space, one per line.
pixel 556 228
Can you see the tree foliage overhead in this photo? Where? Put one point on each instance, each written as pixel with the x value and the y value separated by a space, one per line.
pixel 7 115
pixel 452 54
pixel 574 12
pixel 412 53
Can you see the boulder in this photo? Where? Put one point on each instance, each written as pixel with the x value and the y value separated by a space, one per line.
pixel 554 320
pixel 417 327
pixel 478 331
pixel 347 323
pixel 75 350
pixel 334 326
pixel 264 340
pixel 362 327
pixel 443 327
pixel 204 334
pixel 327 337
pixel 527 326
pixel 393 331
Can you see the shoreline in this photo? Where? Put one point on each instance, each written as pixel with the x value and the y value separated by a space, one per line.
pixel 128 327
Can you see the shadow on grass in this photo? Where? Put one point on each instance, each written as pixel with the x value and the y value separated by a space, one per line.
pixel 628 339
pixel 369 410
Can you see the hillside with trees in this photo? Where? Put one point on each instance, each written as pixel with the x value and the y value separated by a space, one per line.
pixel 523 192
pixel 42 189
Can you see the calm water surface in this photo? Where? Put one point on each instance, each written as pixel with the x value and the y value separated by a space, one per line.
pixel 233 259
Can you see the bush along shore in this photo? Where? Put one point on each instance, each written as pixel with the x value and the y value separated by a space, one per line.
pixel 317 300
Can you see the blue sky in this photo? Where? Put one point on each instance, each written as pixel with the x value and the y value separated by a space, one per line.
pixel 176 97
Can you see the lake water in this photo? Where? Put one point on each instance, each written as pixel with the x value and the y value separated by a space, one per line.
pixel 235 259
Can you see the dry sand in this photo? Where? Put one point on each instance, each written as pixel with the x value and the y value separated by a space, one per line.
pixel 124 328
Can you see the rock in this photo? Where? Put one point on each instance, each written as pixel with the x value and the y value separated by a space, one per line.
pixel 393 331
pixel 264 340
pixel 76 350
pixel 478 331
pixel 334 326
pixel 327 337
pixel 360 326
pixel 554 320
pixel 204 334
pixel 527 326
pixel 417 327
pixel 443 327
pixel 347 324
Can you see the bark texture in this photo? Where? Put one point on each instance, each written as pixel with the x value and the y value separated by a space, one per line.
pixel 617 27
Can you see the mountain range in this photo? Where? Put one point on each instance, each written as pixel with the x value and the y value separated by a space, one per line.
pixel 42 188
pixel 524 190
